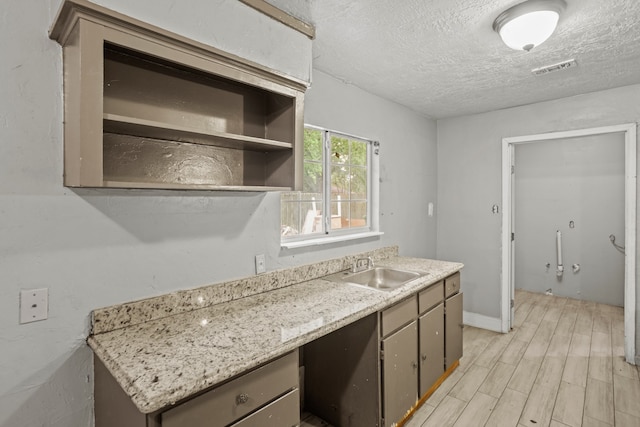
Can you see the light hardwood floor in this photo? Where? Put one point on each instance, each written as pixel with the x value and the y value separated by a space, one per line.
pixel 562 365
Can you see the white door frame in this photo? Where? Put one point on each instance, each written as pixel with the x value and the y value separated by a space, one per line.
pixel 630 221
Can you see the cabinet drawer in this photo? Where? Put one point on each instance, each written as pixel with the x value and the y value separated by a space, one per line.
pixel 284 412
pixel 399 315
pixel 451 285
pixel 237 398
pixel 431 297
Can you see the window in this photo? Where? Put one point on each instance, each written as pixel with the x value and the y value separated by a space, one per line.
pixel 337 198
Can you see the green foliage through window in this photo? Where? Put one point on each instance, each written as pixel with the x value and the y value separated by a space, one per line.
pixel 345 194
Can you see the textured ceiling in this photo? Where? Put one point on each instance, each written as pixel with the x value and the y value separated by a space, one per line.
pixel 442 58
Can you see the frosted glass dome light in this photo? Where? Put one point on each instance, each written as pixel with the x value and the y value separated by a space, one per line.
pixel 529 24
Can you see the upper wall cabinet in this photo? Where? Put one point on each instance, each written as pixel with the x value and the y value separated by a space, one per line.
pixel 146 108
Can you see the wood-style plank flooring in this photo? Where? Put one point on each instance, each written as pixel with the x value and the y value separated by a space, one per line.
pixel 562 365
pixel 310 420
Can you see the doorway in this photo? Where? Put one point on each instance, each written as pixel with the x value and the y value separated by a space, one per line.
pixel 509 238
pixel 569 195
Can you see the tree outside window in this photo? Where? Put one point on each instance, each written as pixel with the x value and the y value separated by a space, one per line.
pixel 344 192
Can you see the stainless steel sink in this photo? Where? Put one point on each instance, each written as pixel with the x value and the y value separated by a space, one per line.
pixel 381 278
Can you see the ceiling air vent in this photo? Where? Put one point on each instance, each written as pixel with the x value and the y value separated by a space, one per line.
pixel 560 66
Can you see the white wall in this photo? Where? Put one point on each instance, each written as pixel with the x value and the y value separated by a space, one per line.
pixel 93 248
pixel 578 180
pixel 407 157
pixel 227 25
pixel 469 173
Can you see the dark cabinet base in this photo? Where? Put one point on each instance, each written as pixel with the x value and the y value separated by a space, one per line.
pixel 342 375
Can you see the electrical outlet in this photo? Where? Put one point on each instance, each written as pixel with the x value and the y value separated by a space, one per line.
pixel 34 305
pixel 261 265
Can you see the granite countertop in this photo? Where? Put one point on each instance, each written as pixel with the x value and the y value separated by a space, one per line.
pixel 162 361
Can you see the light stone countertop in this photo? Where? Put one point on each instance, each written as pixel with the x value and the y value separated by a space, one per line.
pixel 162 361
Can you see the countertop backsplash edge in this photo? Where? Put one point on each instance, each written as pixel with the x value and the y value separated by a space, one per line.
pixel 118 316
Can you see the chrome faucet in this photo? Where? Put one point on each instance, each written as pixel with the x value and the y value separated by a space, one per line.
pixel 357 264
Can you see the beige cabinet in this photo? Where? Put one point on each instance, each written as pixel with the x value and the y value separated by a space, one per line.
pixel 452 285
pixel 283 412
pixel 431 325
pixel 453 320
pixel 267 396
pixel 399 359
pixel 366 373
pixel 146 108
pixel 453 329
pixel 245 395
pixel 399 373
pixel 369 373
pixel 373 371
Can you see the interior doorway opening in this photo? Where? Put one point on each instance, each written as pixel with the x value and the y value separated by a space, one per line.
pixel 630 221
pixel 568 200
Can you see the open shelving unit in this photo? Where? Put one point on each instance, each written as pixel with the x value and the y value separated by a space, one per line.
pixel 146 108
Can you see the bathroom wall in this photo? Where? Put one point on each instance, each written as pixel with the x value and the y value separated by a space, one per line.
pixel 93 248
pixel 576 186
pixel 469 179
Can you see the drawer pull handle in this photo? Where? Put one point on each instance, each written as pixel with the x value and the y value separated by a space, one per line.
pixel 424 357
pixel 414 365
pixel 242 398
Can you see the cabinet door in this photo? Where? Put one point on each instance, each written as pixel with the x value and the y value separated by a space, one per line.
pixel 453 329
pixel 431 347
pixel 399 373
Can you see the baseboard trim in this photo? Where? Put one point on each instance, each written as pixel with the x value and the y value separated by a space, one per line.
pixel 480 321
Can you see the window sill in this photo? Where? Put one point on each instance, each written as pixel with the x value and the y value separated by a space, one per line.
pixel 327 240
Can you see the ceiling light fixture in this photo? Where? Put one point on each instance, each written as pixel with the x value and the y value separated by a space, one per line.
pixel 527 25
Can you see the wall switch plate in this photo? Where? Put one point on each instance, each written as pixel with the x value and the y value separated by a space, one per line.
pixel 261 265
pixel 34 305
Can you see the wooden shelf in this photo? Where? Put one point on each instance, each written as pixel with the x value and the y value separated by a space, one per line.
pixel 114 123
pixel 203 187
pixel 146 108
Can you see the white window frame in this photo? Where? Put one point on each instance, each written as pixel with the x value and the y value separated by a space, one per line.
pixel 373 211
